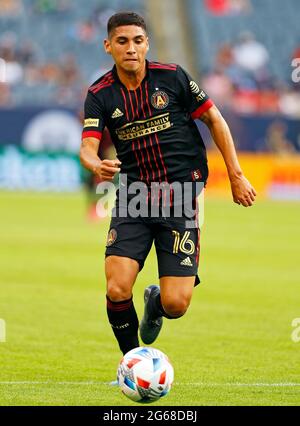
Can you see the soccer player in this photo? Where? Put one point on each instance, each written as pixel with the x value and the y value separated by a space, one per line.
pixel 149 109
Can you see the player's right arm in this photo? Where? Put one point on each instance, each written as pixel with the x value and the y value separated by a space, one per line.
pixel 105 169
pixel 94 123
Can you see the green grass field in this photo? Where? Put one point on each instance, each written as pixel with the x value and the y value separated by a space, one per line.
pixel 233 347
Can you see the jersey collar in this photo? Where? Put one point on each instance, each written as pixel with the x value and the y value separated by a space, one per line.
pixel 116 77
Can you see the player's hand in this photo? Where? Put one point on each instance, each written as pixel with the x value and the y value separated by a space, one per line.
pixel 242 191
pixel 108 169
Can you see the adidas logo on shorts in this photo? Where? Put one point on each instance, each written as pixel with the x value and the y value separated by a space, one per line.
pixel 186 262
pixel 118 113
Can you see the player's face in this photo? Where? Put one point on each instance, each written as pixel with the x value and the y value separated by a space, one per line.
pixel 128 46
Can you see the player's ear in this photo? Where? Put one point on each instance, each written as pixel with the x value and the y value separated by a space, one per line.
pixel 148 47
pixel 107 46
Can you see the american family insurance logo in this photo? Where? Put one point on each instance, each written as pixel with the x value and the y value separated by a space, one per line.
pixel 143 128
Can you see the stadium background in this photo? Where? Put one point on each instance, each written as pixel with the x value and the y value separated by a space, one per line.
pixel 235 345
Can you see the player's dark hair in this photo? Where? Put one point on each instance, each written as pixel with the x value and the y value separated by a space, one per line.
pixel 125 18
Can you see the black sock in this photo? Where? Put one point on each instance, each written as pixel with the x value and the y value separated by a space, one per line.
pixel 124 323
pixel 157 310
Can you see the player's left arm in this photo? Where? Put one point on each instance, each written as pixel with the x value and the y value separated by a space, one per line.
pixel 242 190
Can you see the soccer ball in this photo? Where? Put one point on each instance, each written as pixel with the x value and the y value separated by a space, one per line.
pixel 145 375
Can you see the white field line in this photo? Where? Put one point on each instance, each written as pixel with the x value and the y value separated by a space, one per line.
pixel 199 384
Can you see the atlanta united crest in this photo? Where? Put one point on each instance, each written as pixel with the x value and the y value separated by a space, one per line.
pixel 160 100
pixel 111 238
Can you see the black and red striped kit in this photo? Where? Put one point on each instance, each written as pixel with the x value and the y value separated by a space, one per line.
pixel 152 127
pixel 157 140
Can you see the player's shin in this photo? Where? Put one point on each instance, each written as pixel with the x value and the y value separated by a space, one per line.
pixel 124 322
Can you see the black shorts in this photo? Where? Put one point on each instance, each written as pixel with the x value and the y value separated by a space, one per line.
pixel 177 243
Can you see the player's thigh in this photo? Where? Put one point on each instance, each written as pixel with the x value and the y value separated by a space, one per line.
pixel 129 237
pixel 121 273
pixel 177 248
pixel 128 244
pixel 176 293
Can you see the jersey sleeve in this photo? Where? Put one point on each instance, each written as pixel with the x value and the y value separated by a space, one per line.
pixel 93 124
pixel 195 100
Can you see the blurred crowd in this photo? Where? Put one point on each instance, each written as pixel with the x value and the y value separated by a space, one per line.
pixel 228 7
pixel 22 67
pixel 241 80
pixel 241 77
pixel 28 74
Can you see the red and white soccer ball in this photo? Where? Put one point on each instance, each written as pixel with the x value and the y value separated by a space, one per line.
pixel 145 374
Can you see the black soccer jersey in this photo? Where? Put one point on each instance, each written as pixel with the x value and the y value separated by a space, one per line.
pixel 152 127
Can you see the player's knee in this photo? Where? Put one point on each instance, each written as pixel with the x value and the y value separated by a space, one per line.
pixel 118 291
pixel 176 308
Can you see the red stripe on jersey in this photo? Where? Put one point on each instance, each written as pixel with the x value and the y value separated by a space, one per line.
pixel 143 161
pixel 106 77
pixel 145 145
pixel 144 140
pixel 158 65
pixel 104 80
pixel 155 159
pixel 149 160
pixel 91 134
pixel 137 159
pixel 129 95
pixel 162 63
pixel 162 68
pixel 142 101
pixel 107 80
pixel 202 109
pixel 137 103
pixel 138 142
pixel 150 137
pixel 125 104
pixel 133 146
pixel 100 87
pixel 161 157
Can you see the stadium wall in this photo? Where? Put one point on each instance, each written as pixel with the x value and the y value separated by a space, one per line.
pixel 273 176
pixel 39 151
